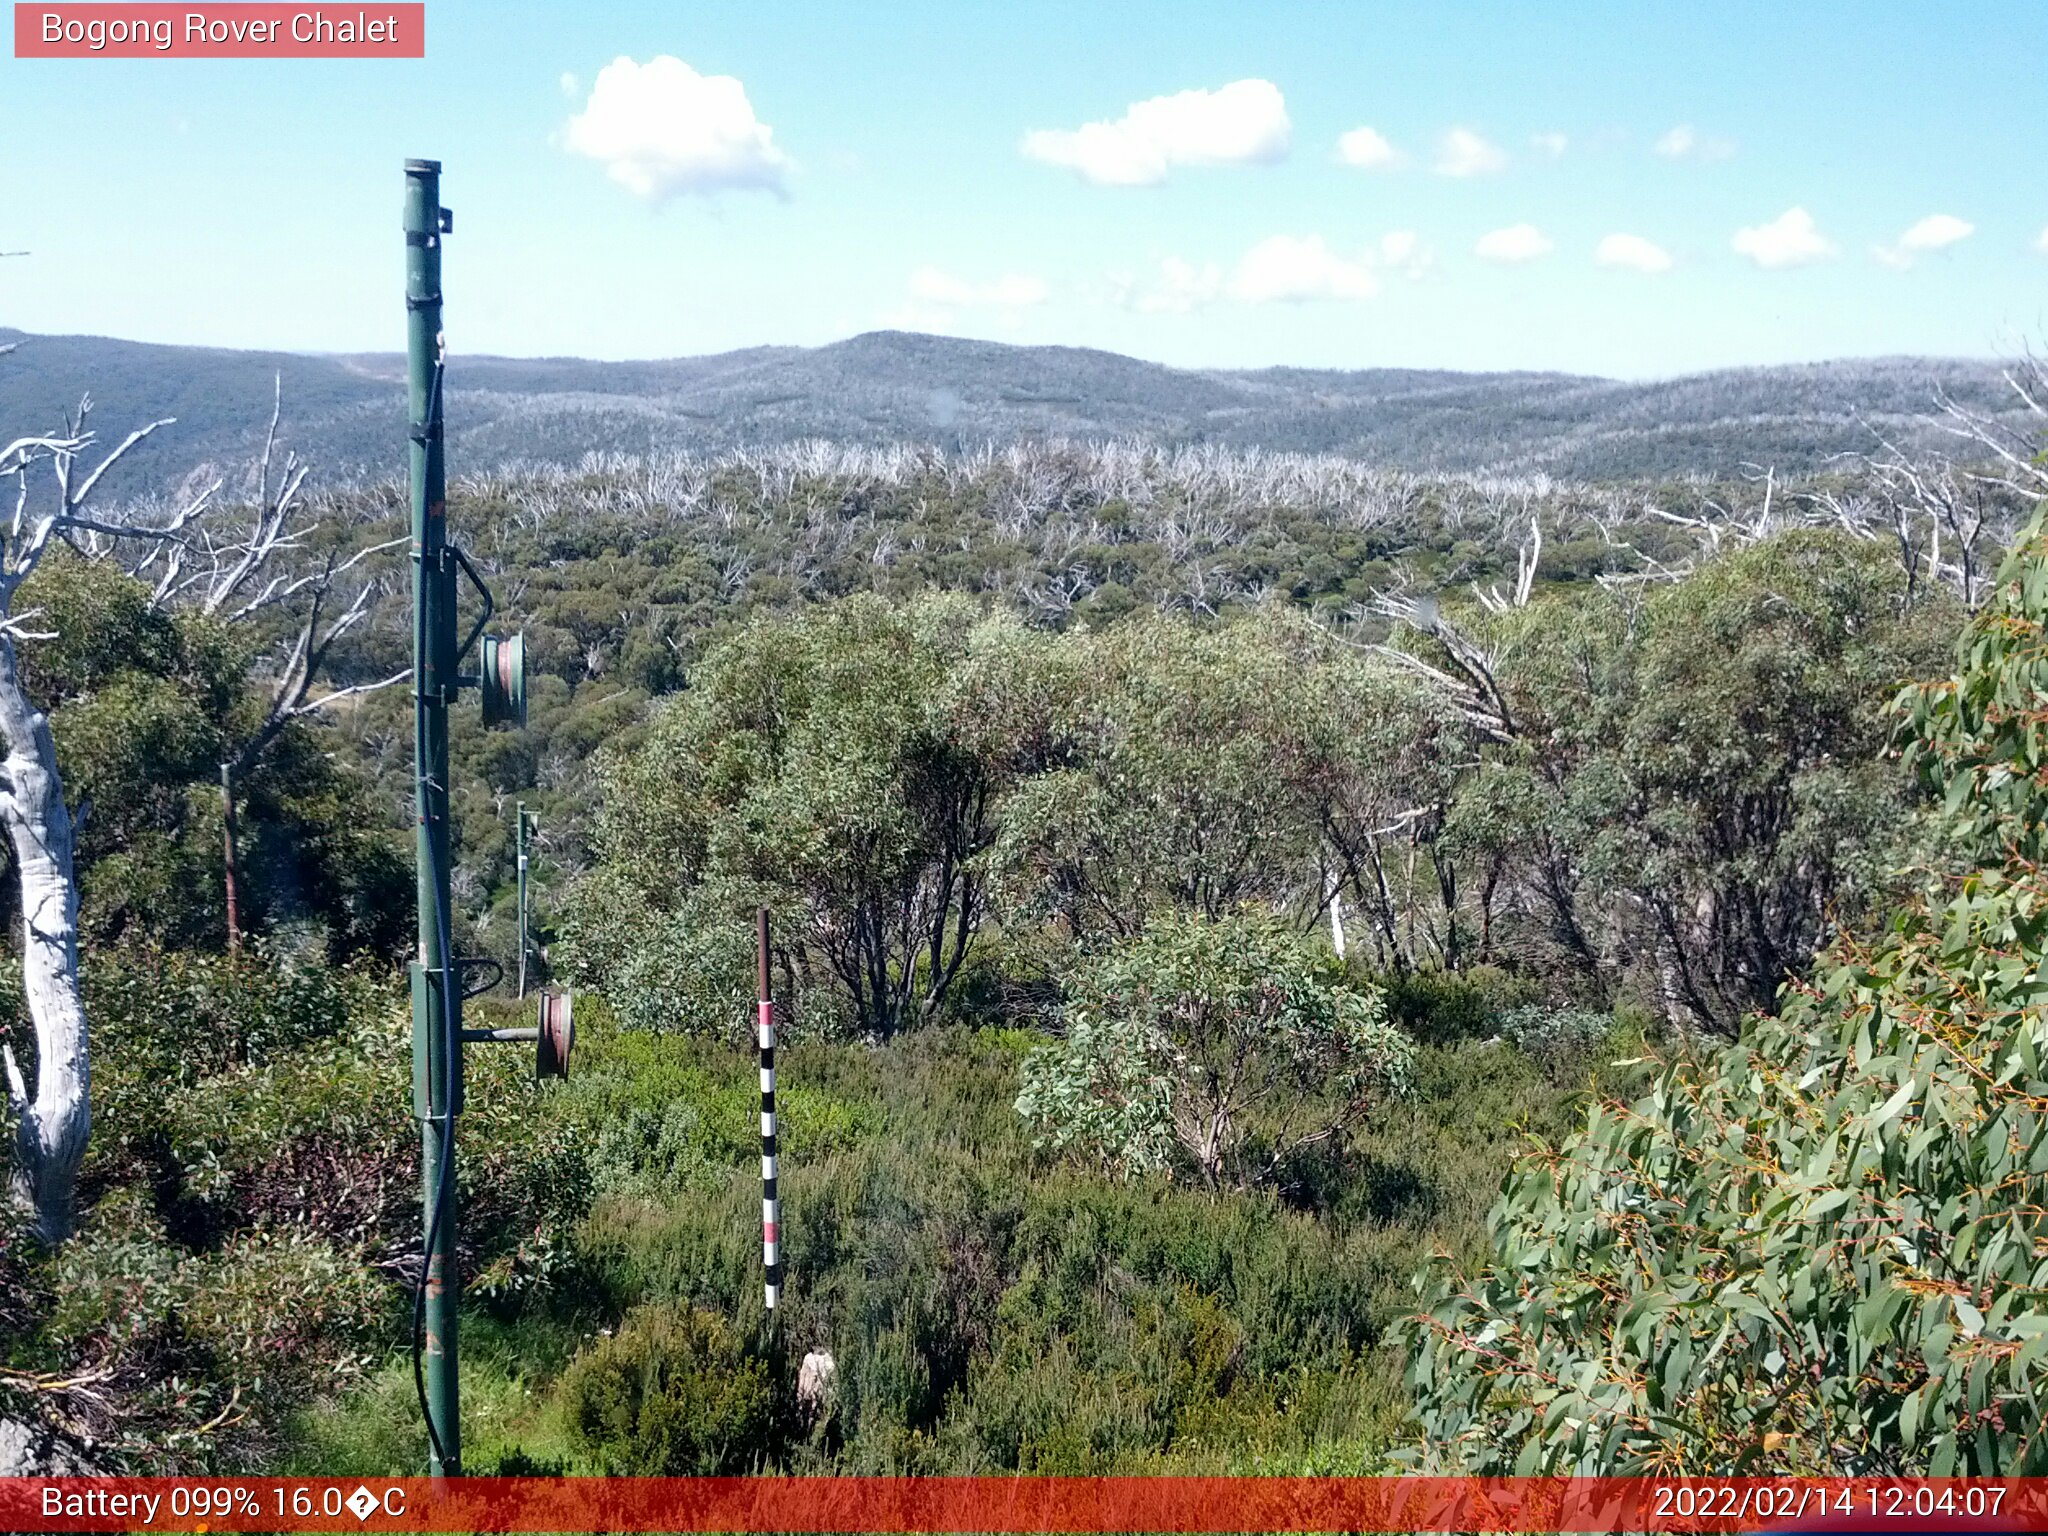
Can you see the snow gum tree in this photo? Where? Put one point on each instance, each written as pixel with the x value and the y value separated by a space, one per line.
pixel 188 556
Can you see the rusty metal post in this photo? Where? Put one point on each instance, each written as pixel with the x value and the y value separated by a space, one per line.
pixel 227 826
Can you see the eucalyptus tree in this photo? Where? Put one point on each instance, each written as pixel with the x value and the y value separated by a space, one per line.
pixel 1682 785
pixel 192 555
pixel 1818 1252
pixel 819 763
pixel 1389 758
pixel 1178 766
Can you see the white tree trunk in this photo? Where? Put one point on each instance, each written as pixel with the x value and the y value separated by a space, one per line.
pixel 1336 890
pixel 52 1124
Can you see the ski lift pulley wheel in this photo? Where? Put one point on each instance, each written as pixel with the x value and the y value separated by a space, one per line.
pixel 504 680
pixel 557 1035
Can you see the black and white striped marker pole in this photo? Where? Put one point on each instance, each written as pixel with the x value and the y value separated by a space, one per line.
pixel 771 1207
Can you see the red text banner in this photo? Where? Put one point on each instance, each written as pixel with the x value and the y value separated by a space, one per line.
pixel 1007 1504
pixel 232 31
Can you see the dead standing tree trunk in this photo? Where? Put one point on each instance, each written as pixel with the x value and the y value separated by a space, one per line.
pixel 51 1124
pixel 232 577
pixel 53 1120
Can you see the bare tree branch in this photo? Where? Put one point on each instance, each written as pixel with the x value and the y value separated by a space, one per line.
pixel 1467 677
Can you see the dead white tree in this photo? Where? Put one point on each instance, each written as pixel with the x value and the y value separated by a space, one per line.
pixel 1333 898
pixel 1528 556
pixel 2011 450
pixel 261 569
pixel 52 1121
pixel 1719 528
pixel 1950 513
pixel 1463 669
pixel 235 576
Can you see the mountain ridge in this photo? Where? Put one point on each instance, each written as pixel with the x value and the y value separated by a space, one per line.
pixel 344 411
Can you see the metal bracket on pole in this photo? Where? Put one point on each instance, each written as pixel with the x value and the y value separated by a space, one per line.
pixel 490 606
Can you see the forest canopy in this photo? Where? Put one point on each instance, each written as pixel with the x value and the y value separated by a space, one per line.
pixel 1194 878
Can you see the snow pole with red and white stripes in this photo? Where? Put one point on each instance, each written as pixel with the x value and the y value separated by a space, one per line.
pixel 771 1206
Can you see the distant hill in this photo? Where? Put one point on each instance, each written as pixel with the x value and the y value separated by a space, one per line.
pixel 346 412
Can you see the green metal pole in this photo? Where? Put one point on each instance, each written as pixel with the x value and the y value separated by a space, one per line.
pixel 525 943
pixel 436 1048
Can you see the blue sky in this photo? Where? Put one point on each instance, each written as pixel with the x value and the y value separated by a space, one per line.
pixel 930 166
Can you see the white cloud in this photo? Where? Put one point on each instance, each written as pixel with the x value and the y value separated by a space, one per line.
pixel 1282 269
pixel 1368 150
pixel 570 84
pixel 661 128
pixel 2041 241
pixel 1182 286
pixel 1516 243
pixel 1243 123
pixel 946 305
pixel 1461 152
pixel 1936 232
pixel 1686 143
pixel 1402 250
pixel 1677 143
pixel 1291 269
pixel 1551 144
pixel 1789 240
pixel 1632 252
pixel 930 285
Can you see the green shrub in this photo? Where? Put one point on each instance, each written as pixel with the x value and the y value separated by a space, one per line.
pixel 988 1306
pixel 672 1394
pixel 1445 1007
pixel 1822 1251
pixel 1226 1045
pixel 165 1020
pixel 196 1356
pixel 664 1112
pixel 1556 1037
pixel 254 1192
pixel 686 969
pixel 1105 1089
pixel 1148 1328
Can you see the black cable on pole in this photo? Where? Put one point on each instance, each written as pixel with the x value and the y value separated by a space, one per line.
pixel 451 1041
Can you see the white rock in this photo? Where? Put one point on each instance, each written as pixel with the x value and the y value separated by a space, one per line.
pixel 814 1381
